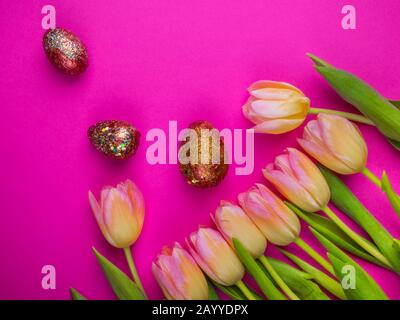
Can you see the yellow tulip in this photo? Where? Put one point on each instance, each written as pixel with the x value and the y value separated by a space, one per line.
pixel 120 213
pixel 275 107
pixel 335 142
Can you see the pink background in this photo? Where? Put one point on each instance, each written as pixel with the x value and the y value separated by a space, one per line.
pixel 151 62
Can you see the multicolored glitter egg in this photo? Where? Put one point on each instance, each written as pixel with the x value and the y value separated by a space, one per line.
pixel 115 138
pixel 65 51
pixel 202 173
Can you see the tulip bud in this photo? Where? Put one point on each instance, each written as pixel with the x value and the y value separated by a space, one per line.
pixel 275 107
pixel 299 180
pixel 336 143
pixel 214 255
pixel 233 222
pixel 179 276
pixel 275 220
pixel 120 213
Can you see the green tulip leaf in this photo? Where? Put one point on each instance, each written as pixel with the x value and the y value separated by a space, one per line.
pixel 234 292
pixel 331 231
pixel 298 281
pixel 396 246
pixel 319 277
pixel 395 144
pixel 365 287
pixel 396 103
pixel 123 287
pixel 392 196
pixel 265 284
pixel 347 202
pixel 75 295
pixel 362 96
pixel 212 294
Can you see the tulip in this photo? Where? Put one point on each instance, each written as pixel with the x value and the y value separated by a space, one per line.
pixel 120 216
pixel 179 276
pixel 275 220
pixel 336 143
pixel 275 107
pixel 299 180
pixel 120 213
pixel 233 222
pixel 214 255
pixel 279 107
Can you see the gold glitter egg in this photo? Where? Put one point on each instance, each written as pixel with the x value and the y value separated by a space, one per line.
pixel 115 138
pixel 204 164
pixel 65 50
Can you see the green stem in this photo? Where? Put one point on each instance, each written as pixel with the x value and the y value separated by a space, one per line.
pixel 315 255
pixel 132 268
pixel 350 116
pixel 375 180
pixel 278 279
pixel 240 284
pixel 356 237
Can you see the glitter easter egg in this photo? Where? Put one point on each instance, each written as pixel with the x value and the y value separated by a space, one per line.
pixel 115 138
pixel 208 167
pixel 65 50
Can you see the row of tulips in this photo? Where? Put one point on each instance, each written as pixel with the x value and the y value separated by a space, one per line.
pixel 239 245
pixel 244 229
pixel 337 144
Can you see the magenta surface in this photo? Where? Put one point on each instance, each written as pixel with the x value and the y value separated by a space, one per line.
pixel 151 62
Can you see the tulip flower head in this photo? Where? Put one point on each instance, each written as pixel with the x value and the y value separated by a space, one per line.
pixel 215 256
pixel 179 276
pixel 275 220
pixel 299 180
pixel 275 107
pixel 233 222
pixel 120 213
pixel 335 142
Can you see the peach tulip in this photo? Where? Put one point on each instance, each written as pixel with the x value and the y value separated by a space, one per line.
pixel 277 222
pixel 299 180
pixel 275 107
pixel 233 222
pixel 215 256
pixel 179 276
pixel 120 213
pixel 335 142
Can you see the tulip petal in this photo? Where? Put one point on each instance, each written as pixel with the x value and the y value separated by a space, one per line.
pixel 273 84
pixel 325 157
pixel 344 140
pixel 191 243
pixel 119 218
pixel 99 217
pixel 271 109
pixel 218 256
pixel 192 282
pixel 232 222
pixel 291 189
pixel 275 94
pixel 137 202
pixel 309 176
pixel 279 207
pixel 249 114
pixel 167 276
pixel 278 126
pixel 269 222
